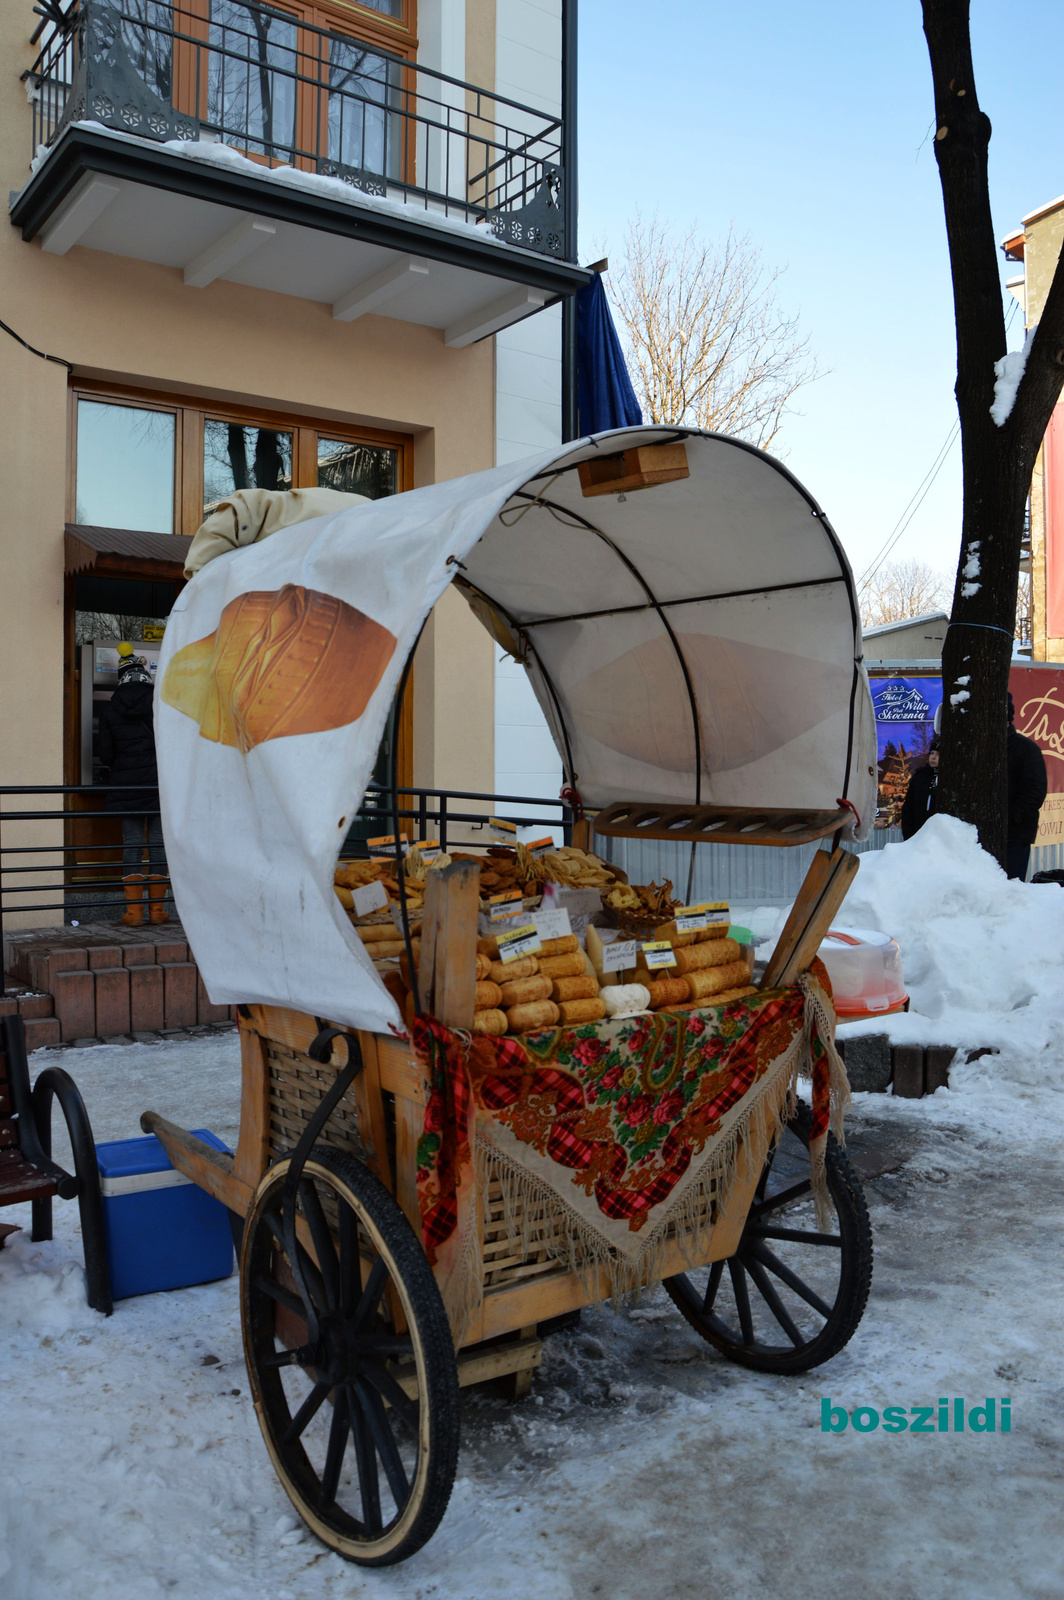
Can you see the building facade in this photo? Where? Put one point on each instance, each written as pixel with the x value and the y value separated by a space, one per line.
pixel 320 242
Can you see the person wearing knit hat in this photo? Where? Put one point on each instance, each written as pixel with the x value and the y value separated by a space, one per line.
pixel 126 749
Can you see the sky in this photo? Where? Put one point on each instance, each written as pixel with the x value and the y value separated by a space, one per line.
pixel 808 124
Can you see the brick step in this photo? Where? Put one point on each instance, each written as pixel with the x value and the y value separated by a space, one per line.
pixel 35 1009
pixel 105 1002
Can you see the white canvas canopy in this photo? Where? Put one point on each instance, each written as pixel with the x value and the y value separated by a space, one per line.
pixel 695 640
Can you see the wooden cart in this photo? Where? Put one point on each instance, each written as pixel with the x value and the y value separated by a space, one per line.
pixel 339 1304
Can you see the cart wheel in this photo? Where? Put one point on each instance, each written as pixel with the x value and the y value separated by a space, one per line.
pixel 370 1472
pixel 786 1278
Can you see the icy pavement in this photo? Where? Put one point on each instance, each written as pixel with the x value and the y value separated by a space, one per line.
pixel 643 1467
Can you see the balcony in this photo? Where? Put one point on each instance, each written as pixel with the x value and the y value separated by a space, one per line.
pixel 256 148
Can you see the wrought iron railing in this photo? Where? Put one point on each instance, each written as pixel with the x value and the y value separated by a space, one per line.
pixel 283 93
pixel 55 855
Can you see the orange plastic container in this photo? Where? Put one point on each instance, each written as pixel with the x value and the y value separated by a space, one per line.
pixel 865 972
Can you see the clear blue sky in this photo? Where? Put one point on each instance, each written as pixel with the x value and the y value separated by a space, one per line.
pixel 808 123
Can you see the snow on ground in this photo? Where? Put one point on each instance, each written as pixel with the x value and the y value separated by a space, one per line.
pixel 642 1465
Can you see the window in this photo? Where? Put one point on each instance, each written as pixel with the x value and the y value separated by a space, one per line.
pixel 357 468
pixel 239 457
pixel 125 467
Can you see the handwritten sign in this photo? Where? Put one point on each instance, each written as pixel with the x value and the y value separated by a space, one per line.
pixel 659 953
pixel 519 942
pixel 538 848
pixel 620 955
pixel 504 906
pixel 552 924
pixel 386 841
pixel 371 897
pixel 501 831
pixel 690 919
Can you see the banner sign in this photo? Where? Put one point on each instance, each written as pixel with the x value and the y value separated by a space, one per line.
pixel 905 725
pixel 905 713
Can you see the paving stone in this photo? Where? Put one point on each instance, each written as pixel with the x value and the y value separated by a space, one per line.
pixel 104 955
pixel 142 1037
pixel 41 1031
pixel 168 951
pixel 112 1001
pixel 35 1005
pixel 868 1062
pixel 145 999
pixel 118 1038
pixel 909 1071
pixel 8 1007
pixel 179 993
pixel 205 1011
pixel 84 1044
pixel 938 1061
pixel 46 966
pixel 138 955
pixel 75 1003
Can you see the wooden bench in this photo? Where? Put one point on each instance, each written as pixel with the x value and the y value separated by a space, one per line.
pixel 27 1171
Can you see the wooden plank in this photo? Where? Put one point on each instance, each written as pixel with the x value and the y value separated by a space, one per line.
pixel 767 825
pixel 366 1093
pixel 409 1123
pixel 401 1073
pixel 296 1029
pixel 207 1167
pixel 253 1145
pixel 480 1365
pixel 813 912
pixel 449 943
pixel 639 468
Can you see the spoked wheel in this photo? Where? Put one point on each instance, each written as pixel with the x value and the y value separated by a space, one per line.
pixel 791 1296
pixel 361 1423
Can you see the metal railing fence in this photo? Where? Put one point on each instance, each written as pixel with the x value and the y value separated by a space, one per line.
pixel 283 92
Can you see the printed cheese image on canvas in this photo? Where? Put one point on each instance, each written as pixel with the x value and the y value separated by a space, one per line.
pixel 279 663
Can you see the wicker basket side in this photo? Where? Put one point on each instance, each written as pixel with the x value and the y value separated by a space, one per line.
pixel 297 1085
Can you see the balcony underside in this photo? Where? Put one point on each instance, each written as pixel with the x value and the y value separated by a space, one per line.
pixel 239 222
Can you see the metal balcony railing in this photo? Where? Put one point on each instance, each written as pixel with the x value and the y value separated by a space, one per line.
pixel 283 93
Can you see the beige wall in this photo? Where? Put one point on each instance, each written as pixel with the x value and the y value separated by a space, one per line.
pixel 135 323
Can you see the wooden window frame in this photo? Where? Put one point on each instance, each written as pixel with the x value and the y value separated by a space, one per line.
pixel 190 411
pixel 395 37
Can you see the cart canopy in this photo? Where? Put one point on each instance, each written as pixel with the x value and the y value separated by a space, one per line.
pixel 696 639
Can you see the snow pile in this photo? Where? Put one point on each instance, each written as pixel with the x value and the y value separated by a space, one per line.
pixel 1007 374
pixel 981 954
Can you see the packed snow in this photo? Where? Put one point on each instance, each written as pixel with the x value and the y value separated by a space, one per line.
pixel 1007 375
pixel 642 1464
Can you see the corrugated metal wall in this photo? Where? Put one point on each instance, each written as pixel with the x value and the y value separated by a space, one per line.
pixel 748 874
pixel 739 873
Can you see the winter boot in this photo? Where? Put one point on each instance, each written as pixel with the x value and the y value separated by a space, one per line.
pixel 134 914
pixel 157 894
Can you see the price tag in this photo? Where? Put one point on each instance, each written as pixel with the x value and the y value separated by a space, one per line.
pixel 501 831
pixel 428 849
pixel 689 919
pixel 505 906
pixel 540 847
pixel 371 897
pixel 619 955
pixel 659 953
pixel 386 841
pixel 521 942
pixel 552 924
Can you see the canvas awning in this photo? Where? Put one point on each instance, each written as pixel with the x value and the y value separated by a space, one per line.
pixel 694 640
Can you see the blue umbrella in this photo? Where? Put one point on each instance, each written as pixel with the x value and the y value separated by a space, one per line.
pixel 604 390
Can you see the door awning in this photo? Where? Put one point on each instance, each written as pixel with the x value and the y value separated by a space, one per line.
pixel 85 545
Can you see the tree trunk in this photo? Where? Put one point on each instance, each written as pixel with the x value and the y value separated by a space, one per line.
pixel 998 461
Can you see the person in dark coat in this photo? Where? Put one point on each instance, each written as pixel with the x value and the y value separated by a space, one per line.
pixel 920 796
pixel 1027 790
pixel 126 748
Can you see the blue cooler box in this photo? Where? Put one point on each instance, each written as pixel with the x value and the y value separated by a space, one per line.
pixel 163 1231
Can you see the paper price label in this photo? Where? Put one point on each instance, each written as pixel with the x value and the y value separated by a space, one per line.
pixel 521 942
pixel 505 906
pixel 501 831
pixel 428 849
pixel 386 841
pixel 371 897
pixel 619 955
pixel 689 919
pixel 552 924
pixel 538 848
pixel 659 953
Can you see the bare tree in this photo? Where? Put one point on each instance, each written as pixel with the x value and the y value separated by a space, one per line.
pixel 707 341
pixel 900 589
pixel 1004 404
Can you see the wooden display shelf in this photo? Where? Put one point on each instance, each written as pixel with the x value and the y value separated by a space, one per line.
pixel 640 468
pixel 627 819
